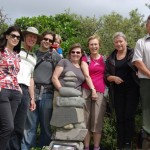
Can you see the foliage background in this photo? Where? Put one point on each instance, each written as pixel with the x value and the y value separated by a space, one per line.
pixel 74 28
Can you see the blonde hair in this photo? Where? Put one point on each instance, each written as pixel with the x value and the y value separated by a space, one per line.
pixel 95 36
pixel 58 37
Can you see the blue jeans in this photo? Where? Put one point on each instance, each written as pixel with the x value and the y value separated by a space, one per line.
pixel 42 115
pixel 9 101
pixel 19 121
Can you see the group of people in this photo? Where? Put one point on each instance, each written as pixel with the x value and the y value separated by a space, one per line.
pixel 30 82
pixel 26 89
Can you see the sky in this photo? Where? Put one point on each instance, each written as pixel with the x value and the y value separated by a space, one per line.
pixel 28 8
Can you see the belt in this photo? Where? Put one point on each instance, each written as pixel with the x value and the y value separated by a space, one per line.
pixel 23 86
pixel 42 90
pixel 38 86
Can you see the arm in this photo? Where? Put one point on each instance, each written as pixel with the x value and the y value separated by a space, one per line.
pixel 55 78
pixel 109 76
pixel 85 69
pixel 138 58
pixel 115 79
pixel 142 67
pixel 31 93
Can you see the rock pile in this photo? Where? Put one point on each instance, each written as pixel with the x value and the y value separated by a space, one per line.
pixel 68 117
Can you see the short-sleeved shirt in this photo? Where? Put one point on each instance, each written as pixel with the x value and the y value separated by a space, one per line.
pixel 27 64
pixel 9 68
pixel 68 66
pixel 142 53
pixel 43 73
pixel 96 72
pixel 59 50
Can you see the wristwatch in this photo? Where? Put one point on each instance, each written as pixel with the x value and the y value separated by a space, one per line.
pixel 92 89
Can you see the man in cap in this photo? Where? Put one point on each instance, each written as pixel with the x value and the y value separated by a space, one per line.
pixel 26 82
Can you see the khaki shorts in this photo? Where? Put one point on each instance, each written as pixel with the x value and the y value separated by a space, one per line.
pixel 94 111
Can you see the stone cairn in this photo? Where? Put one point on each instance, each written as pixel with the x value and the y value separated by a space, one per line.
pixel 68 117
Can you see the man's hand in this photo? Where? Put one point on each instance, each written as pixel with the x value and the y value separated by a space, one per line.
pixel 32 105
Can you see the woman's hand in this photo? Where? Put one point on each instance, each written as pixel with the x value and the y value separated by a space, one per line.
pixel 94 95
pixel 118 80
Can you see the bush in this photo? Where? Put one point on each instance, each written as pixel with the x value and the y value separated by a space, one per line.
pixel 109 133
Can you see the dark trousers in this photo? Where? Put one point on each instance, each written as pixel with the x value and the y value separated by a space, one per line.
pixel 126 101
pixel 9 101
pixel 19 121
pixel 145 98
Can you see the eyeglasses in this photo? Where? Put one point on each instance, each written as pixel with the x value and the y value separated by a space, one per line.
pixel 46 39
pixel 14 36
pixel 77 52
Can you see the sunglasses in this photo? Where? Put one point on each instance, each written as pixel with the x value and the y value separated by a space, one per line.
pixel 13 36
pixel 46 39
pixel 73 52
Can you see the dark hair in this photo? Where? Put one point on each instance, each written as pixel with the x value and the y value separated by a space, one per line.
pixel 76 45
pixel 49 32
pixel 148 19
pixel 3 40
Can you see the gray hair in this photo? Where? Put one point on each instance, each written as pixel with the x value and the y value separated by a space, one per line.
pixel 119 34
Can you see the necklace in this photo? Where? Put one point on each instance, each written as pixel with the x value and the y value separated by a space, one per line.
pixel 75 64
pixel 96 62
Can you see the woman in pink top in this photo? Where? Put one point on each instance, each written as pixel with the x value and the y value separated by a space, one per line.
pixel 93 92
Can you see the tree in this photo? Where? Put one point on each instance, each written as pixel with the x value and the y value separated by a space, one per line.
pixel 132 27
pixel 148 5
pixel 3 19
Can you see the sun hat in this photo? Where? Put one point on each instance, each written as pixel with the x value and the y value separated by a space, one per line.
pixel 32 30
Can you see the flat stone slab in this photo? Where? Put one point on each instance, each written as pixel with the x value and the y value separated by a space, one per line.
pixel 59 145
pixel 73 79
pixel 70 101
pixel 70 135
pixel 70 74
pixel 69 92
pixel 66 115
pixel 70 84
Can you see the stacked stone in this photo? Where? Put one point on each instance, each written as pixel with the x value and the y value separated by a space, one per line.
pixel 68 116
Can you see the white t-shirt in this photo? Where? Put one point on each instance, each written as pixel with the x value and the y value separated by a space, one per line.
pixel 27 65
pixel 142 53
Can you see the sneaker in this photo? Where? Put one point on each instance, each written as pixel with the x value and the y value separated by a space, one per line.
pixel 127 146
pixel 86 148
